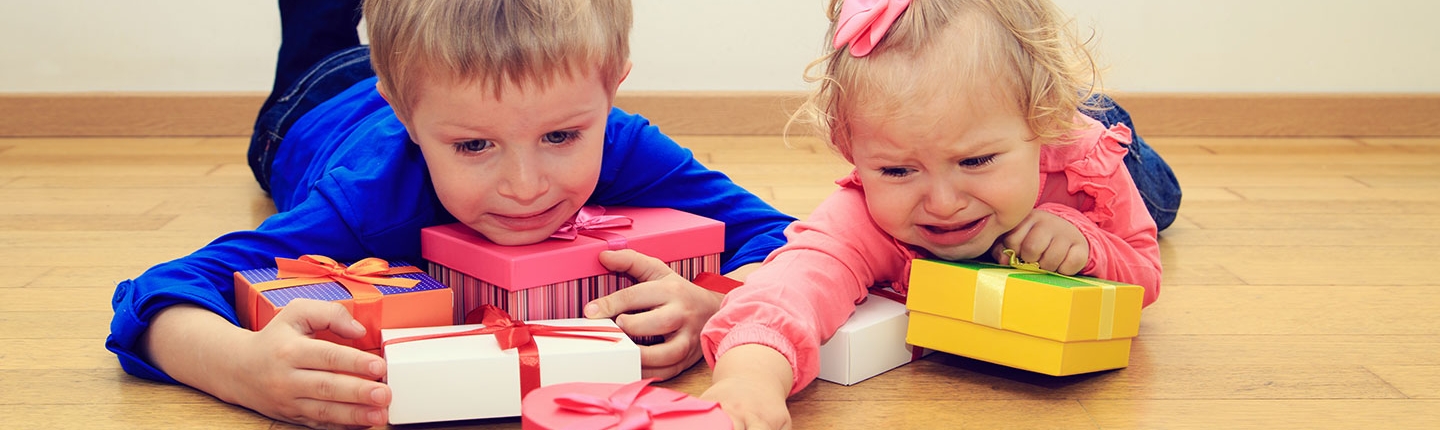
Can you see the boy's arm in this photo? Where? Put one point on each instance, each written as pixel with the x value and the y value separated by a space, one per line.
pixel 178 320
pixel 644 167
pixel 280 371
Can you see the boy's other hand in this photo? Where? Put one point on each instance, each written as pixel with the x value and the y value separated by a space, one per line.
pixel 661 303
pixel 296 378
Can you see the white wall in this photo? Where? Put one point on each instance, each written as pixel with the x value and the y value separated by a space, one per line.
pixel 1149 45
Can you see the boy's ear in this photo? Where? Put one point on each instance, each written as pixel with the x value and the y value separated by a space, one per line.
pixel 380 88
pixel 623 74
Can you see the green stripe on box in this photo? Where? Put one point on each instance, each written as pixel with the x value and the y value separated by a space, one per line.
pixel 1043 278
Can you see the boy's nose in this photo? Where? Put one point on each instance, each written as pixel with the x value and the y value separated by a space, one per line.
pixel 524 183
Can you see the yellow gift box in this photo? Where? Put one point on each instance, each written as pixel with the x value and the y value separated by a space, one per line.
pixel 1022 317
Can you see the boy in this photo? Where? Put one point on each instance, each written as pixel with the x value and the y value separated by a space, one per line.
pixel 496 114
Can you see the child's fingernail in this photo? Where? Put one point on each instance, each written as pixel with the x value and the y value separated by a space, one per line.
pixel 374 417
pixel 376 368
pixel 378 395
pixel 358 326
pixel 591 310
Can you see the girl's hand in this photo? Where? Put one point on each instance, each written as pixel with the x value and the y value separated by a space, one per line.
pixel 289 375
pixel 750 383
pixel 1047 239
pixel 661 303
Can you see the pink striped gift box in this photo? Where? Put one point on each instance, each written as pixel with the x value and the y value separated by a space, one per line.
pixel 554 279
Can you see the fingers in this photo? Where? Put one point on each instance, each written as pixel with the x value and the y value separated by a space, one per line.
pixel 334 387
pixel 319 413
pixel 637 297
pixel 642 267
pixel 665 360
pixel 315 354
pixel 312 316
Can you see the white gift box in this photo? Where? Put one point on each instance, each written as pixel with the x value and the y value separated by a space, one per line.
pixel 871 342
pixel 470 377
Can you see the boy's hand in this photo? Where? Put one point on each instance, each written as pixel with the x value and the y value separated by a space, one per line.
pixel 661 303
pixel 751 383
pixel 291 376
pixel 1047 239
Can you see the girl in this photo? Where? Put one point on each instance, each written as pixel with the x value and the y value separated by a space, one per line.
pixel 960 117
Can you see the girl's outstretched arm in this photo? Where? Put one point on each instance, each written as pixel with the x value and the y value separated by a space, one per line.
pixel 751 383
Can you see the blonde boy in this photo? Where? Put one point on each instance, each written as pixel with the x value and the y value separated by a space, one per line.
pixel 497 114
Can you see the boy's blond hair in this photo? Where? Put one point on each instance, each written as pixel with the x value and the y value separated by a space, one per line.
pixel 494 42
pixel 1028 43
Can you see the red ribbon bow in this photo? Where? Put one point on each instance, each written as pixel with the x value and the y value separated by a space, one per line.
pixel 626 409
pixel 589 221
pixel 511 333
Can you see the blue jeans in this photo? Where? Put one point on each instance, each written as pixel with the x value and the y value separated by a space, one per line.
pixel 320 56
pixel 1157 183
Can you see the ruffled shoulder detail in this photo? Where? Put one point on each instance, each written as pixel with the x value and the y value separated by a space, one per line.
pixel 1089 162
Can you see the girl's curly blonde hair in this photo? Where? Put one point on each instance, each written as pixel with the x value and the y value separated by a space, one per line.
pixel 1029 43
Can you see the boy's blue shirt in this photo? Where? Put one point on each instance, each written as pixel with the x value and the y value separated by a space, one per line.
pixel 348 184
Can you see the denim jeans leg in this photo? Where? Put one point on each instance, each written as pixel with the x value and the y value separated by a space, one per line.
pixel 309 31
pixel 329 77
pixel 1153 177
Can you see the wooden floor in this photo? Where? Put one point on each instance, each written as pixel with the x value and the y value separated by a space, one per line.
pixel 1302 290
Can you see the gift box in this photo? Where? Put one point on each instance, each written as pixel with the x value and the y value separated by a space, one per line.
pixel 378 293
pixel 580 405
pixel 1023 317
pixel 871 342
pixel 484 370
pixel 555 278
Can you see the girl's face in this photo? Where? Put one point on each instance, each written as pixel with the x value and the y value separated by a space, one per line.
pixel 948 175
pixel 515 165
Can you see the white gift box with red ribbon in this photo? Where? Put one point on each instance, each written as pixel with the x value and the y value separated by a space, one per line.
pixel 442 374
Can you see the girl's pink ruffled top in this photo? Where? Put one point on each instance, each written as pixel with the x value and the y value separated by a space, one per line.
pixel 633 406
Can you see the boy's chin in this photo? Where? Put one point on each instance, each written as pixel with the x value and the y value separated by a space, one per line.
pixel 514 238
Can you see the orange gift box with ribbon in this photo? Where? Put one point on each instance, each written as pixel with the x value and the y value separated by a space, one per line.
pixel 378 293
pixel 555 278
pixel 505 358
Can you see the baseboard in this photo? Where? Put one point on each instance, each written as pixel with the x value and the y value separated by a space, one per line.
pixel 748 113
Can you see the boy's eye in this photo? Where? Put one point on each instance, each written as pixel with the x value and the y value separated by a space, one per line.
pixel 559 137
pixel 978 161
pixel 473 146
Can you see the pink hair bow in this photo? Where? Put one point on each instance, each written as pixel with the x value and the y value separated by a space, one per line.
pixel 627 408
pixel 863 23
pixel 589 218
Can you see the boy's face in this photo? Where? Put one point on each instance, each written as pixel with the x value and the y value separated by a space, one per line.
pixel 512 167
pixel 949 175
